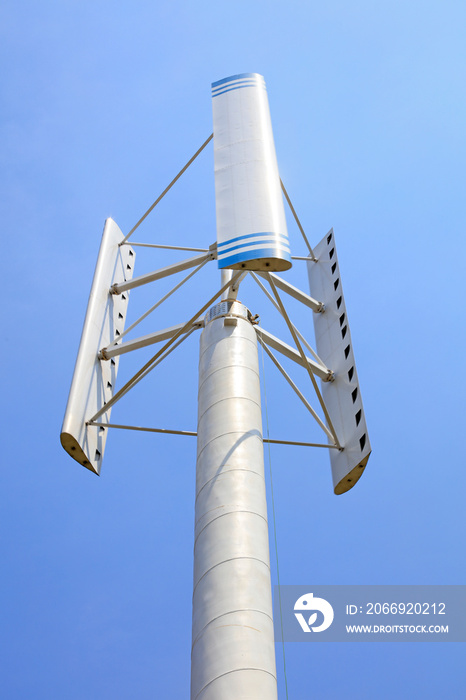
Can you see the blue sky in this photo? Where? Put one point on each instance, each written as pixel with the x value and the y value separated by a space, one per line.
pixel 102 104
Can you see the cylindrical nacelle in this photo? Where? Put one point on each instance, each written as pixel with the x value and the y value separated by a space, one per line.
pixel 233 655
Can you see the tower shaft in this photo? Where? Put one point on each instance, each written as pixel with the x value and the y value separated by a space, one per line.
pixel 233 655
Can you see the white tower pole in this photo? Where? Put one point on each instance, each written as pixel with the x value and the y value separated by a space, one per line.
pixel 233 653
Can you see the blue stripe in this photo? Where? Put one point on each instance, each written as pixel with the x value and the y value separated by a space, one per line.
pixel 242 257
pixel 252 235
pixel 240 76
pixel 257 245
pixel 237 87
pixel 239 83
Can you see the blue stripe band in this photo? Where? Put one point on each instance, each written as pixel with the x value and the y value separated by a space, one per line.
pixel 264 253
pixel 252 235
pixel 239 83
pixel 237 87
pixel 257 246
pixel 240 76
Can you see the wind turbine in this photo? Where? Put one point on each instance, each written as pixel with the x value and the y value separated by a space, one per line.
pixel 232 630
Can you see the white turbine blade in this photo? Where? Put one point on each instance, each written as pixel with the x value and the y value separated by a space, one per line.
pixel 94 380
pixel 333 342
pixel 251 226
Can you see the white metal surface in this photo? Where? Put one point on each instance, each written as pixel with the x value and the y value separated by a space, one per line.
pixel 251 226
pixel 93 380
pixel 233 644
pixel 342 396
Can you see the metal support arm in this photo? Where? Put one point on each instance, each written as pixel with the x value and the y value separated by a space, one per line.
pixel 162 272
pixel 320 371
pixel 145 340
pixel 294 292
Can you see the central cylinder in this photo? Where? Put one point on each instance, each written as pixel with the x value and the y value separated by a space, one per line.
pixel 233 655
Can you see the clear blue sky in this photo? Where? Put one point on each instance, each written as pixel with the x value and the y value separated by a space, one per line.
pixel 102 103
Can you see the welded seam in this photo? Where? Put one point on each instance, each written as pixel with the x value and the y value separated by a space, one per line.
pixel 229 612
pixel 236 670
pixel 261 561
pixel 223 515
pixel 228 471
pixel 257 435
pixel 219 369
pixel 230 398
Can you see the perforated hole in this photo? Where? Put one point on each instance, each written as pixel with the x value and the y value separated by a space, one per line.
pixel 117 332
pixel 357 417
pixel 120 315
pixel 334 267
pixel 343 331
pixel 362 441
pixel 131 252
pixel 123 297
pixel 101 429
pixel 109 385
pixel 335 284
pixel 329 238
pixel 354 394
pixel 339 300
pixel 97 455
pixel 342 319
pixel 332 253
pixel 347 351
pixel 113 361
pixel 128 267
pixel 350 373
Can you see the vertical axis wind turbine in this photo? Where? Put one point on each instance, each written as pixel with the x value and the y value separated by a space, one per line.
pixel 232 630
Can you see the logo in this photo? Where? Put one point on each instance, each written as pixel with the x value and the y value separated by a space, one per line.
pixel 314 605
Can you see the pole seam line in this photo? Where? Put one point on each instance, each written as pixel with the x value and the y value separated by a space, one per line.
pixel 227 471
pixel 234 670
pixel 226 561
pixel 223 515
pixel 229 612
